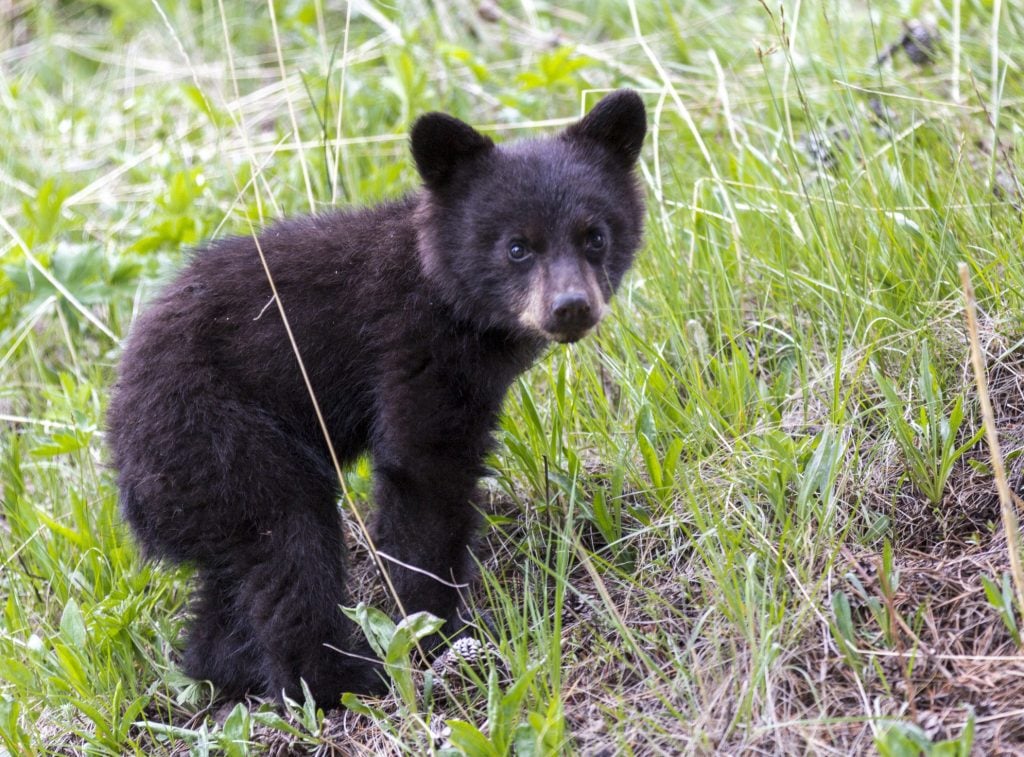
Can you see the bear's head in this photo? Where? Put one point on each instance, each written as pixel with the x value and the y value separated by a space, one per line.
pixel 531 237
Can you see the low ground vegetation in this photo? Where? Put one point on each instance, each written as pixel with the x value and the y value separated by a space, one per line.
pixel 754 513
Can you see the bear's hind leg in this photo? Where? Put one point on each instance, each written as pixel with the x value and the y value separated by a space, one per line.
pixel 292 595
pixel 220 645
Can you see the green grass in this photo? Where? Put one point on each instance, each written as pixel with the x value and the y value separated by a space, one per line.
pixel 736 518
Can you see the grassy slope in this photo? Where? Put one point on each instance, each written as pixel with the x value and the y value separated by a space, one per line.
pixel 713 528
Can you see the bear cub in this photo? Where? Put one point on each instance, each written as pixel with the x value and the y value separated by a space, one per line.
pixel 412 319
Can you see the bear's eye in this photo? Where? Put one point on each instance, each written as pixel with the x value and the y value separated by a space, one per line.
pixel 595 240
pixel 518 252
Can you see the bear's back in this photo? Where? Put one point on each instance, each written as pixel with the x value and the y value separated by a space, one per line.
pixel 350 286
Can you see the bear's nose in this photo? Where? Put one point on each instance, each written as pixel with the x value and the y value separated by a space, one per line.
pixel 571 311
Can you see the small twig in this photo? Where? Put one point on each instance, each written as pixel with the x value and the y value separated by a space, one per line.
pixel 421 571
pixel 1006 504
pixel 35 578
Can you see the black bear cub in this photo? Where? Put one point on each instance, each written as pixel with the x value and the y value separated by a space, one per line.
pixel 412 319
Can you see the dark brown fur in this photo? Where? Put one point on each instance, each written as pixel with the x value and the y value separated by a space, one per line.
pixel 409 317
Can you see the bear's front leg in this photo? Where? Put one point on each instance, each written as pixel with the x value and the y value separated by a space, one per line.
pixel 429 438
pixel 425 524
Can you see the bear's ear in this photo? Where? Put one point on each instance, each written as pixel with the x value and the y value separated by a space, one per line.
pixel 440 143
pixel 618 122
